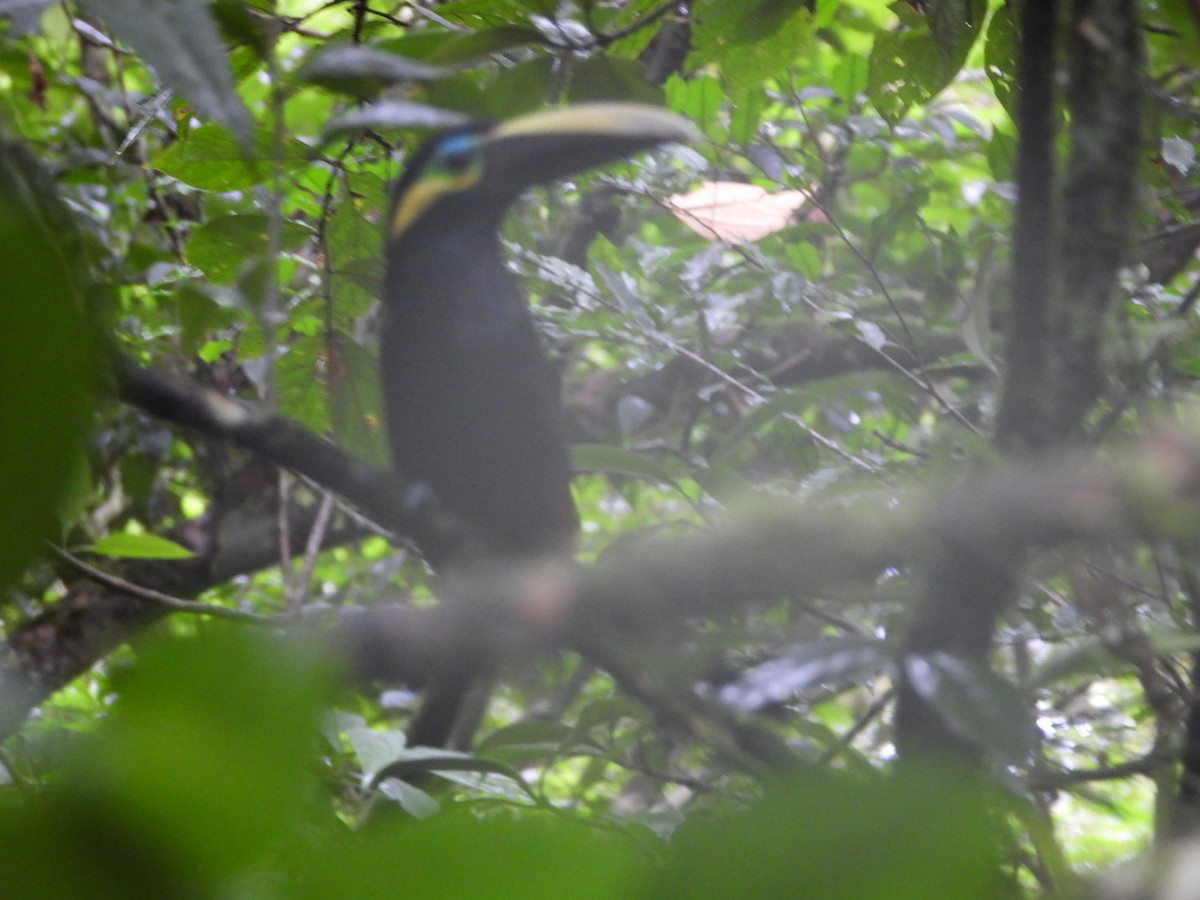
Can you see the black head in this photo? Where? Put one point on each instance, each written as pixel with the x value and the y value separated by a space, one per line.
pixel 485 166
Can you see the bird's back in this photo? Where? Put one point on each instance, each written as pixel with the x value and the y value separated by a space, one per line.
pixel 473 407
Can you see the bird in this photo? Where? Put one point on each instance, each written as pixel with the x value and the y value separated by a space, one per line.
pixel 470 397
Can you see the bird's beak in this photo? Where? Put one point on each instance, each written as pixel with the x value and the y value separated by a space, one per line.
pixel 546 145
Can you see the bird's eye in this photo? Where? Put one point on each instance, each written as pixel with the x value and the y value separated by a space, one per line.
pixel 458 162
pixel 459 155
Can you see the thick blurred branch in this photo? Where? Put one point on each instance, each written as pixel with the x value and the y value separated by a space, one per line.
pixel 779 549
pixel 634 597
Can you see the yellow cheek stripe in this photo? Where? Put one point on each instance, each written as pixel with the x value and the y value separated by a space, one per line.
pixel 421 196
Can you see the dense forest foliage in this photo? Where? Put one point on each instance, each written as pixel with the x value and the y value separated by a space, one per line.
pixel 880 398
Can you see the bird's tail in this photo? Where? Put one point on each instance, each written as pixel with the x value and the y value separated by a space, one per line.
pixel 451 711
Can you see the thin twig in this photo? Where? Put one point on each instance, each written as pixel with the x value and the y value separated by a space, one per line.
pixel 176 604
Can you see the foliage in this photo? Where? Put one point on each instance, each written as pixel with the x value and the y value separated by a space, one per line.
pixel 200 187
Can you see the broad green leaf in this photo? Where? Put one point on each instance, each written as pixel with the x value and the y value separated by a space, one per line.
pixel 1002 155
pixel 242 31
pixel 139 546
pixel 524 737
pixel 49 363
pixel 179 38
pixel 541 7
pixel 746 21
pixel 209 158
pixel 417 761
pixel 521 88
pixel 359 70
pixel 529 854
pixel 914 62
pixel 618 461
pixel 1000 58
pixel 700 98
pixel 354 242
pixel 189 786
pixel 604 77
pixel 607 712
pixel 924 836
pixel 750 42
pixel 744 119
pixel 356 401
pixel 221 247
pixel 472 45
pixel 392 114
pixel 302 379
pixel 850 77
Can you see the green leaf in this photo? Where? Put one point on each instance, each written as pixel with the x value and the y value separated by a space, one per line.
pixel 179 38
pixel 358 70
pixel 750 42
pixel 746 21
pixel 391 114
pixel 926 836
pixel 49 364
pixel 205 762
pixel 1002 155
pixel 221 247
pixel 472 45
pixel 302 381
pixel 180 759
pixel 850 77
pixel 618 461
pixel 913 63
pixel 745 117
pixel 525 736
pixel 604 77
pixel 607 712
pixel 417 761
pixel 759 417
pixel 541 7
pixel 375 749
pixel 354 242
pixel 240 28
pixel 209 158
pixel 139 546
pixel 1000 58
pixel 529 854
pixel 356 400
pixel 521 88
pixel 700 98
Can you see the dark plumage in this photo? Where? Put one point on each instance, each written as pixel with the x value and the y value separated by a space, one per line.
pixel 472 405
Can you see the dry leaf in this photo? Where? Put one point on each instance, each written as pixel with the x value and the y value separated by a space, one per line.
pixel 735 212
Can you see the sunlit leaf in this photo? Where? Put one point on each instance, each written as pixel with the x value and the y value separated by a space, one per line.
pixel 139 546
pixel 210 158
